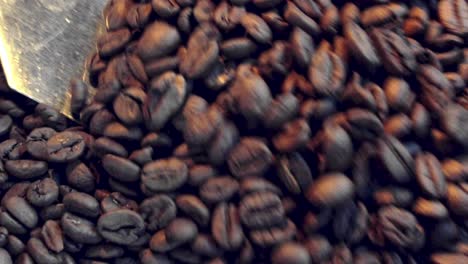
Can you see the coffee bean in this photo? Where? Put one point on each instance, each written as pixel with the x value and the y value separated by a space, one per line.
pixel 294 136
pixel 273 236
pixel 65 147
pixel 457 197
pixel 238 48
pixel 327 73
pixel 181 231
pixel 79 229
pixel 5 257
pixel 122 226
pixel 40 253
pixel 294 173
pixel 12 149
pixel 18 215
pixel 194 208
pixel 158 211
pixel 361 46
pixel 395 159
pixel 81 204
pixel 139 15
pixel 294 16
pixel 219 189
pixel 226 227
pixel 42 193
pixel 430 209
pixel 430 176
pixel 159 39
pixel 261 210
pixel 249 158
pixel 290 252
pixel 322 193
pixel 164 175
pixel 26 169
pixel 52 235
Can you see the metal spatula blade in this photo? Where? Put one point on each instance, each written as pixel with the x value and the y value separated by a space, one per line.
pixel 44 43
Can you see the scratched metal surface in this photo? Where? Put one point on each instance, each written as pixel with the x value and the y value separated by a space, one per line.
pixel 44 43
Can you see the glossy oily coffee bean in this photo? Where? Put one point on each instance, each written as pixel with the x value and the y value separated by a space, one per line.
pixel 226 227
pixel 164 175
pixel 65 147
pixel 250 157
pixel 330 190
pixel 158 211
pixel 261 210
pixel 53 236
pixel 294 173
pixel 121 226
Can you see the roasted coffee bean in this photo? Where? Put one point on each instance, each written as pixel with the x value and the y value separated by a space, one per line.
pixel 5 257
pixel 12 149
pixel 113 42
pixel 273 236
pixel 362 124
pixel 158 40
pixel 319 248
pixel 256 27
pixel 199 129
pixel 238 48
pixel 453 122
pixel 120 168
pixel 294 136
pixel 330 190
pixel 254 184
pixel 448 13
pixel 203 55
pixel 250 157
pixel 430 176
pixel 26 169
pixel 36 142
pixel 218 189
pixel 397 227
pixel 198 174
pixel 261 210
pixel 165 98
pixel 327 73
pixel 334 147
pixel 396 159
pixel 394 52
pixel 138 15
pixel 39 252
pixel 122 226
pixel 361 47
pixel 294 173
pixel 158 211
pixel 65 146
pixel 457 198
pixel 194 208
pixel 393 196
pixel 18 215
pixel 351 222
pixel 430 209
pixel 295 16
pixel 79 230
pixel 226 226
pixel 42 193
pixel 166 8
pixel 164 175
pixel 52 235
pixel 81 204
pixel 290 252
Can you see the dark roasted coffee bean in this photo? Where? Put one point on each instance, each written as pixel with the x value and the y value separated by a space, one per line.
pixel 138 15
pixel 181 231
pixel 453 121
pixel 26 169
pixel 256 27
pixel 81 204
pixel 226 226
pixel 165 98
pixel 5 257
pixel 113 42
pixel 294 173
pixel 330 190
pixel 334 147
pixel 261 210
pixel 452 14
pixel 227 17
pixel 79 176
pixel 273 236
pixel 294 136
pixel 39 252
pixel 327 73
pixel 238 48
pixel 298 18
pixel 394 52
pixel 158 211
pixel 122 226
pixel 128 106
pixel 219 189
pixel 351 222
pixel 36 142
pixel 282 109
pixel 203 53
pixel 362 124
pixel 430 209
pixel 12 149
pixel 65 146
pixel 361 47
pixel 290 252
pixel 104 251
pixel 249 158
pixel 165 8
pixel 396 159
pixel 276 60
pixel 159 39
pixel 120 168
pixel 199 129
pixel 430 176
pixel 457 199
pixel 198 174
pixel 52 235
pixel 15 245
pixel 302 47
pixel 319 248
pixel 164 175
pixel 42 193
pixel 52 212
pixel 18 215
pixel 397 227
pixel 148 257
pixel 5 123
pixel 255 184
pixel 194 208
pixel 79 230
pixel 118 131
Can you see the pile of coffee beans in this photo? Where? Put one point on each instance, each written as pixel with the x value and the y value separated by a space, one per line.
pixel 249 131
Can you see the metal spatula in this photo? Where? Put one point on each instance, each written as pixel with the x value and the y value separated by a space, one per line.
pixel 44 43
